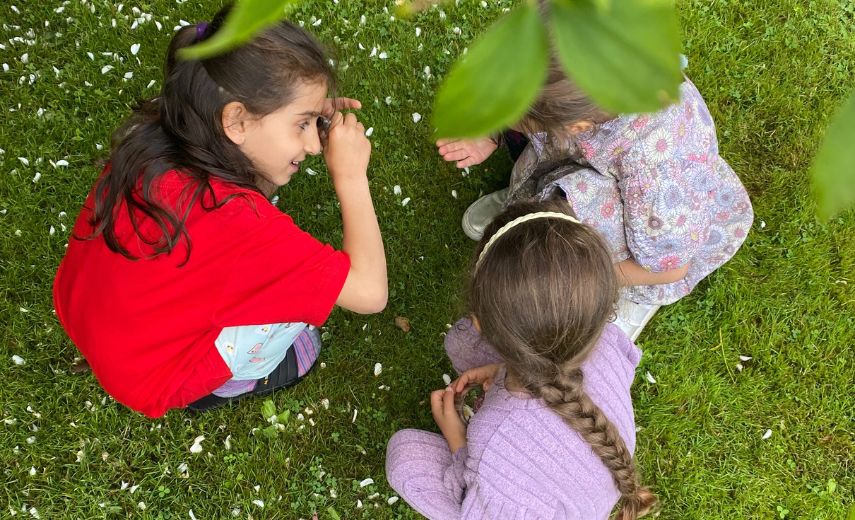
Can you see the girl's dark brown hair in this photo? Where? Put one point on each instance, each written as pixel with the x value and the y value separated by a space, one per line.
pixel 543 294
pixel 182 129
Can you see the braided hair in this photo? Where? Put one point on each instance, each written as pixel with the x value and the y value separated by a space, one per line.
pixel 543 293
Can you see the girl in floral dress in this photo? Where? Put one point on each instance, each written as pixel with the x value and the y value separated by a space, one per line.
pixel 654 185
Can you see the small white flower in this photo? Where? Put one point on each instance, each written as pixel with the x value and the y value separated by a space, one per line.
pixel 369 132
pixel 739 367
pixel 259 503
pixel 18 360
pixel 325 403
pixel 197 444
pixel 123 486
pixel 141 505
pixel 80 456
pixel 34 513
pixel 373 52
pixel 135 48
pixel 391 500
pixel 650 378
pixel 383 55
pixel 317 22
pixel 418 31
pixel 25 58
pixel 396 189
pixel 372 496
pixel 762 224
pixel 378 369
pixel 366 482
pixel 323 364
pixel 358 504
pixel 767 434
pixel 31 440
pixel 133 488
pixel 416 117
pixel 33 471
pixel 446 379
pixel 52 231
pixel 128 75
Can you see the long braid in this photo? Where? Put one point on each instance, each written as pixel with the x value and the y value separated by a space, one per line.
pixel 566 396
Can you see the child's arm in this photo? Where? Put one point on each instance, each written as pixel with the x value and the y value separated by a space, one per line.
pixel 347 152
pixel 631 273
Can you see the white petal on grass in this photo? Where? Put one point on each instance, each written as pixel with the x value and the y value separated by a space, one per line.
pixel 650 378
pixel 416 117
pixel 33 471
pixel 133 488
pixel 767 434
pixel 366 482
pixel 52 231
pixel 35 513
pixel 454 193
pixel 5 67
pixel 106 68
pixel 739 367
pixel 383 55
pixel 405 201
pixel 18 360
pixel 745 358
pixel 128 75
pixel 197 444
pixel 123 486
pixel 62 162
pixel 192 516
pixel 355 413
pixel 396 189
pixel 388 100
pixel 259 503
pixel 31 440
pixel 369 132
pixel 418 31
pixel 24 161
pixel 25 58
pixel 183 469
pixel 325 403
pixel 373 52
pixel 228 442
pixel 378 369
pixel 446 379
pixel 762 224
pixel 141 505
pixel 150 84
pixel 391 500
pixel 36 177
pixel 311 171
pixel 135 48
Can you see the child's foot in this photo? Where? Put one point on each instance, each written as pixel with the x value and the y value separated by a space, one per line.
pixel 480 213
pixel 633 317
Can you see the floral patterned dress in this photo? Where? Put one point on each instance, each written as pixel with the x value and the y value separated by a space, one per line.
pixel 655 187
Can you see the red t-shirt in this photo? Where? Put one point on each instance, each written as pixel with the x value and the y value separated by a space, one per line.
pixel 147 326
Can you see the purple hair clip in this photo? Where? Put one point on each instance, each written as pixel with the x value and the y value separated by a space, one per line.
pixel 201 27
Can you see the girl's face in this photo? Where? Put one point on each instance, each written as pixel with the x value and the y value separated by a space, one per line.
pixel 278 142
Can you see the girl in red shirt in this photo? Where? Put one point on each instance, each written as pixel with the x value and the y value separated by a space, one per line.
pixel 183 284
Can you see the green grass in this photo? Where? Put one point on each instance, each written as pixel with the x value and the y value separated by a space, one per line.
pixel 772 72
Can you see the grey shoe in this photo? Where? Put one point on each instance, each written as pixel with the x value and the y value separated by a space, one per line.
pixel 480 213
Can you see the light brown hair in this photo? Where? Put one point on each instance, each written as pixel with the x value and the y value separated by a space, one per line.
pixel 543 294
pixel 559 104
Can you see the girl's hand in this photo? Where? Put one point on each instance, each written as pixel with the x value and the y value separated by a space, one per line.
pixel 346 150
pixel 445 415
pixel 466 152
pixel 333 105
pixel 483 376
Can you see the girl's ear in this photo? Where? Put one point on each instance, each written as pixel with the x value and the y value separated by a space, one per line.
pixel 235 120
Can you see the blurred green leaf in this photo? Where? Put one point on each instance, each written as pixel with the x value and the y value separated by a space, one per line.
pixel 625 55
pixel 333 513
pixel 268 410
pixel 246 19
pixel 492 86
pixel 833 171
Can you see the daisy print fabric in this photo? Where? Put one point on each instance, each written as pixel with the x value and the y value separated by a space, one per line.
pixel 658 191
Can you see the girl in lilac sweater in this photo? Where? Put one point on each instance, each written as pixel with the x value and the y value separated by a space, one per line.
pixel 555 434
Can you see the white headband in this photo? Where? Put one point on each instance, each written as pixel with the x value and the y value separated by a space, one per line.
pixel 519 220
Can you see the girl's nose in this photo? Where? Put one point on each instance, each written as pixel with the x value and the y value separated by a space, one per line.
pixel 312 144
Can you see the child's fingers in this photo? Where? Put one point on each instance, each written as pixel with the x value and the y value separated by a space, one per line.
pixel 442 142
pixel 448 402
pixel 343 103
pixel 350 119
pixel 469 161
pixel 336 119
pixel 458 155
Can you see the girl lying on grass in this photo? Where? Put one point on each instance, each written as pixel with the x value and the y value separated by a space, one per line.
pixel 555 433
pixel 654 185
pixel 183 285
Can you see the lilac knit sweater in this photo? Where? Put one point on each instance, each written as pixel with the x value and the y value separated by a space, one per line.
pixel 521 461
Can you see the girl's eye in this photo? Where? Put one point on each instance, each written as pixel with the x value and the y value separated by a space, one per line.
pixel 304 125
